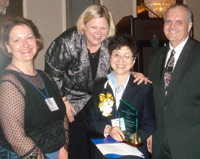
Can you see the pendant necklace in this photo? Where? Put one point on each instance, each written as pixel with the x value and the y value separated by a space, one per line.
pixel 93 54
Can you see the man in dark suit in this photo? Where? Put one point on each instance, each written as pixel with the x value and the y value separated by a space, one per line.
pixel 177 95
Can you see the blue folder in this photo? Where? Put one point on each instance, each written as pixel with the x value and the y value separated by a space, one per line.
pixel 109 140
pixel 106 140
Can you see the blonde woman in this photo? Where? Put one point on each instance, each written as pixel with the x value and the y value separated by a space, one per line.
pixel 76 60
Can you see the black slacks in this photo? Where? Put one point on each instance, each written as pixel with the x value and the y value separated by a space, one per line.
pixel 78 140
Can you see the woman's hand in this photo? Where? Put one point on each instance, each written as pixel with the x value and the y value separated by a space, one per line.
pixel 116 133
pixel 62 154
pixel 70 111
pixel 139 78
pixel 149 144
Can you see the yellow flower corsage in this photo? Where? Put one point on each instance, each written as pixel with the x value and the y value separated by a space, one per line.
pixel 106 103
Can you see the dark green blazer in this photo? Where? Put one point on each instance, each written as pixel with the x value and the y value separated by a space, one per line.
pixel 178 114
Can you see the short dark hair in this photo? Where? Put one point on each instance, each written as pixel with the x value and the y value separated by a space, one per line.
pixel 123 40
pixel 10 22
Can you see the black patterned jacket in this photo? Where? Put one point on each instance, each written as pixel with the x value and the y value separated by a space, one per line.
pixel 67 62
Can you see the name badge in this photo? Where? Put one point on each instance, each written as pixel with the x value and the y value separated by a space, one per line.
pixel 119 122
pixel 122 124
pixel 115 122
pixel 51 104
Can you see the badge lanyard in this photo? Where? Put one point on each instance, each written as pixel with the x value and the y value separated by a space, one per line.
pixel 118 121
pixel 45 96
pixel 117 113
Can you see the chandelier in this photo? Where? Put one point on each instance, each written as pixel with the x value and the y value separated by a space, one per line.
pixel 3 6
pixel 157 8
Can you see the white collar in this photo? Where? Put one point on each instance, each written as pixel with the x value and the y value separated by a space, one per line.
pixel 178 48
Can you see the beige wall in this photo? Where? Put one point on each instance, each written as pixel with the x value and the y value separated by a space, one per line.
pixel 195 5
pixel 120 8
pixel 50 17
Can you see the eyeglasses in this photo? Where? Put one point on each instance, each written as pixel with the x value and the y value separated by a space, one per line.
pixel 125 56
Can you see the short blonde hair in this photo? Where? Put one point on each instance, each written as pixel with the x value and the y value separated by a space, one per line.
pixel 95 11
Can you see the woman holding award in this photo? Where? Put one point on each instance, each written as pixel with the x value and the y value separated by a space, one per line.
pixel 103 113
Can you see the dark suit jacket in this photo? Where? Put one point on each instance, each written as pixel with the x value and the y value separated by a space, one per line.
pixel 178 114
pixel 141 97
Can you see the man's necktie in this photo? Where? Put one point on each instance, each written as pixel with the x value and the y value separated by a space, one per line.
pixel 168 71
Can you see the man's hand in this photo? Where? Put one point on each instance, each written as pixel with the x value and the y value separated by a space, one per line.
pixel 70 111
pixel 149 144
pixel 139 78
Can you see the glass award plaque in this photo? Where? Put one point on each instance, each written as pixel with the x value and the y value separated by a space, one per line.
pixel 129 123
